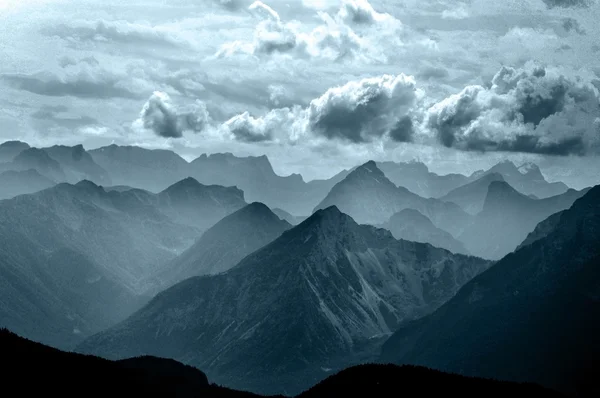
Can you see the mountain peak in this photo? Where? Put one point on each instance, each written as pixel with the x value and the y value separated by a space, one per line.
pixel 531 170
pixel 14 144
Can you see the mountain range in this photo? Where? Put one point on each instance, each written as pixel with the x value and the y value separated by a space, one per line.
pixel 50 372
pixel 225 244
pixel 318 297
pixel 508 217
pixel 74 257
pixel 532 316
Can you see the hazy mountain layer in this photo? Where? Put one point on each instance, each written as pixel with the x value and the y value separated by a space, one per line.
pixel 471 197
pixel 316 298
pixel 225 244
pixel 75 257
pixel 508 217
pixel 533 316
pixel 368 196
pixel 409 224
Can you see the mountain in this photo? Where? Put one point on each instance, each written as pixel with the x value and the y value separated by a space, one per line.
pixel 382 380
pixel 13 183
pixel 416 177
pixel 526 178
pixel 155 170
pixel 49 372
pixel 256 177
pixel 507 217
pixel 533 316
pixel 225 244
pixel 75 258
pixel 78 164
pixel 39 160
pixel 320 296
pixel 150 169
pixel 409 224
pixel 190 203
pixel 470 197
pixel 284 215
pixel 10 149
pixel 369 197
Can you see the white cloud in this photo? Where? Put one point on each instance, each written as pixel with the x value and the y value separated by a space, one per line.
pixel 535 109
pixel 162 117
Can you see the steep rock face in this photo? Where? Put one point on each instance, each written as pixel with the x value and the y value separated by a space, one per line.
pixel 78 164
pixel 471 197
pixel 533 316
pixel 411 225
pixel 416 177
pixel 527 179
pixel 314 298
pixel 225 244
pixel 368 196
pixel 508 217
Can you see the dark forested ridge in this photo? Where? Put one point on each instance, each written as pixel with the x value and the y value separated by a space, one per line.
pixel 36 369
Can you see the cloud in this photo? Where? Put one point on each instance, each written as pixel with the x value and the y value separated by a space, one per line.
pixel 571 24
pixel 357 31
pixel 535 110
pixel 362 110
pixel 118 31
pixel 361 12
pixel 357 112
pixel 166 120
pixel 567 3
pixel 83 78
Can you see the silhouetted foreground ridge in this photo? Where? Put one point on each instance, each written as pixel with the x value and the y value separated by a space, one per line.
pixel 33 368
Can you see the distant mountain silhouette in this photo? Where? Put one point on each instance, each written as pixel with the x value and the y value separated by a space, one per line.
pixel 74 258
pixel 78 164
pixel 225 244
pixel 320 296
pixel 256 177
pixel 190 203
pixel 10 149
pixel 51 372
pixel 416 177
pixel 533 316
pixel 155 170
pixel 470 197
pixel 368 196
pixel 38 159
pixel 150 169
pixel 526 178
pixel 284 215
pixel 409 224
pixel 507 217
pixel 13 183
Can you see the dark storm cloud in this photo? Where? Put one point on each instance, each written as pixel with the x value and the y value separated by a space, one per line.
pixel 81 86
pixel 164 119
pixel 403 131
pixel 567 3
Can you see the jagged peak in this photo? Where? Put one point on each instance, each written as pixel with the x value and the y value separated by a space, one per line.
pixel 409 213
pixel 365 169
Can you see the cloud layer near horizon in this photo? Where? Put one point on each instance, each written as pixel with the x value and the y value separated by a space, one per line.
pixel 316 80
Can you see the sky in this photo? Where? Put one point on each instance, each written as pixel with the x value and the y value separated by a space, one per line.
pixel 316 85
